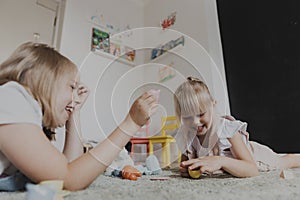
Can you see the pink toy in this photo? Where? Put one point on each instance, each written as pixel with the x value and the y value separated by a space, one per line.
pixel 155 93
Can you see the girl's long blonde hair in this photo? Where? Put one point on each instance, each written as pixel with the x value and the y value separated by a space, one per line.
pixel 40 69
pixel 192 98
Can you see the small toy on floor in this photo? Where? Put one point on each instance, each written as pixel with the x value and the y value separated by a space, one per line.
pixel 130 173
pixel 151 166
pixel 285 174
pixel 41 191
pixel 194 173
pixel 155 93
pixel 57 185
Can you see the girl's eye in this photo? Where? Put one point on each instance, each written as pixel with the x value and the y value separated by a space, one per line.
pixel 73 87
pixel 201 114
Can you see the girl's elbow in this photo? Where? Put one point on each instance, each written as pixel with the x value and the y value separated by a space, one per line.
pixel 75 183
pixel 250 172
pixel 74 187
pixel 254 172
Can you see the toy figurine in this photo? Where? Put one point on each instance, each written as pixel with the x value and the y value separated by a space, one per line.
pixel 131 173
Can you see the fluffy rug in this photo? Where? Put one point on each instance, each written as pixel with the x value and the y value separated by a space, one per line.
pixel 266 186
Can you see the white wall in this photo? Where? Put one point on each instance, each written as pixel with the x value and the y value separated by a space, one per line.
pixel 190 59
pixel 202 54
pixel 115 85
pixel 19 20
pixel 195 18
pixel 100 73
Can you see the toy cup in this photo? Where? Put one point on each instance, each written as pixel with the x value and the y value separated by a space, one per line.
pixel 38 192
pixel 56 185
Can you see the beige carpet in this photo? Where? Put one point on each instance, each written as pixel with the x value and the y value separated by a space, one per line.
pixel 266 186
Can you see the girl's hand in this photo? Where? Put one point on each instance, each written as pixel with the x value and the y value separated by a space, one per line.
pixel 81 96
pixel 208 164
pixel 184 170
pixel 143 108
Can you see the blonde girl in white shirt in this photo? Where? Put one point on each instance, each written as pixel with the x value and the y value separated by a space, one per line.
pixel 211 143
pixel 40 89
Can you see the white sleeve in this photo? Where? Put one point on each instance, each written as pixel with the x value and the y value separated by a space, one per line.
pixel 232 127
pixel 17 106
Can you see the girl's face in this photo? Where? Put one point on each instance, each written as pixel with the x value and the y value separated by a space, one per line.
pixel 201 122
pixel 67 96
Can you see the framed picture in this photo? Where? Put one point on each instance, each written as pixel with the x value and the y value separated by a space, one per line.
pixel 161 49
pixel 100 40
pixel 128 53
pixel 166 72
pixel 115 49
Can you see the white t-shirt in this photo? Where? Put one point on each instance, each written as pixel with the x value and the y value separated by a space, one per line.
pixel 266 159
pixel 228 130
pixel 17 106
pixel 225 129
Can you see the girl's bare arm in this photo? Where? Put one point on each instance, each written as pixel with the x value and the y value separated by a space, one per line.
pixel 243 165
pixel 26 146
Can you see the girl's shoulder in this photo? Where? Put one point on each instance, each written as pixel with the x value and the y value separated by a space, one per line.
pixel 17 105
pixel 12 87
pixel 15 92
pixel 228 128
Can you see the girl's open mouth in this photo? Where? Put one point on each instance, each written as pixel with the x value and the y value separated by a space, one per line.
pixel 69 109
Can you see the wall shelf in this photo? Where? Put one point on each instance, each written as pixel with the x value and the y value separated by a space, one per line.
pixel 171 51
pixel 114 58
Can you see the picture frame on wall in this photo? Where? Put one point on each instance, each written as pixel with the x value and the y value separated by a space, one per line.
pixel 115 49
pixel 163 48
pixel 100 40
pixel 122 51
pixel 102 44
pixel 129 53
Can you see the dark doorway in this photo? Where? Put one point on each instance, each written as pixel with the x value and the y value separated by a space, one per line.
pixel 261 47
